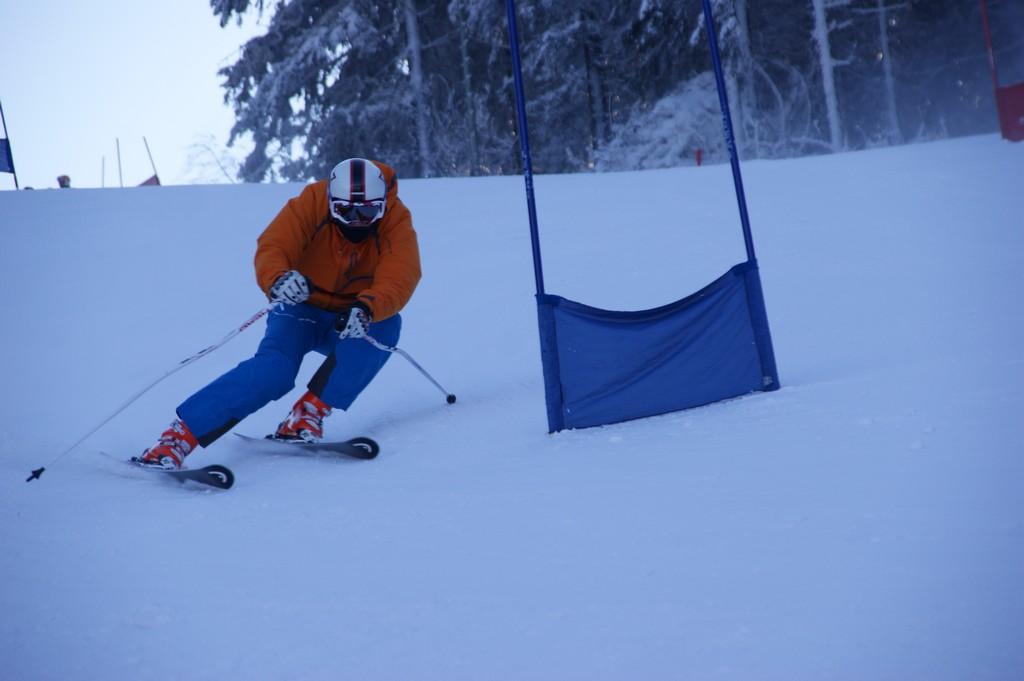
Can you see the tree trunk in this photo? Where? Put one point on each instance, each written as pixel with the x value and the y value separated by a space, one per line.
pixel 595 85
pixel 471 118
pixel 746 96
pixel 418 87
pixel 895 135
pixel 820 34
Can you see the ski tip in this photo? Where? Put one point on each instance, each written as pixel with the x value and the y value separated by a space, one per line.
pixel 364 448
pixel 219 476
pixel 35 474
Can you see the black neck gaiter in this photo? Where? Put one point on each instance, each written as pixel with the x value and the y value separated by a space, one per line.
pixel 356 235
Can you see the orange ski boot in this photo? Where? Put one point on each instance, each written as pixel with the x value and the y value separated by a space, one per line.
pixel 306 420
pixel 170 451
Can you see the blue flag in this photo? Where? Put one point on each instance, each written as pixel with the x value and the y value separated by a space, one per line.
pixel 6 160
pixel 602 366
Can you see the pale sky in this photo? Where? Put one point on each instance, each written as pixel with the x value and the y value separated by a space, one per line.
pixel 74 76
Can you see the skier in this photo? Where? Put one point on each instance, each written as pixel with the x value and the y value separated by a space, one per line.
pixel 342 259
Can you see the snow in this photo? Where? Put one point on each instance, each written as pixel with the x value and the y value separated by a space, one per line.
pixel 866 521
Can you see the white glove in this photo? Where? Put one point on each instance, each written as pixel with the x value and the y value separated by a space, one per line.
pixel 292 287
pixel 353 323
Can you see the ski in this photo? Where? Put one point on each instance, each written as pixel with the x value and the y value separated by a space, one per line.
pixel 213 475
pixel 356 448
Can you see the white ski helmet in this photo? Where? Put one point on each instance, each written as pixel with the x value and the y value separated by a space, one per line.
pixel 357 193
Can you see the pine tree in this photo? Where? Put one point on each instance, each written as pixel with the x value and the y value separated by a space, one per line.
pixel 426 86
pixel 328 80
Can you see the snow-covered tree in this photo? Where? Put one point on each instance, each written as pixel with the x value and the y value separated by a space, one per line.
pixel 669 133
pixel 426 86
pixel 330 80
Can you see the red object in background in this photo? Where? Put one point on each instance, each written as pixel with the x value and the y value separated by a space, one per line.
pixel 700 156
pixel 1010 102
pixel 1009 98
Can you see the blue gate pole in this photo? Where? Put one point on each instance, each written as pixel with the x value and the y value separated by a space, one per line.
pixel 755 296
pixel 545 311
pixel 730 138
pixel 524 144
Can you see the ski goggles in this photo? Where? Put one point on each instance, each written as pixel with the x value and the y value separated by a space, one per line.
pixel 359 213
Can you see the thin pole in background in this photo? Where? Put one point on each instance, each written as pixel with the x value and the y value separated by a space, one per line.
pixel 152 165
pixel 8 138
pixel 120 177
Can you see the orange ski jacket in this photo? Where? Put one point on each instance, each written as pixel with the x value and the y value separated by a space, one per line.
pixel 381 272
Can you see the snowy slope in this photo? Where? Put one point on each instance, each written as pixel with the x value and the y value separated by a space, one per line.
pixel 864 522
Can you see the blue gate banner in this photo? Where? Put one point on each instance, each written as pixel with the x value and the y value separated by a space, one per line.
pixel 602 366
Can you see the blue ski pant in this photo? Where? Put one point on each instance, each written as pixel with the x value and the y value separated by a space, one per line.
pixel 292 332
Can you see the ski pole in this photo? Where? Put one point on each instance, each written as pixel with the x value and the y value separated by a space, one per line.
pixel 177 367
pixel 449 397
